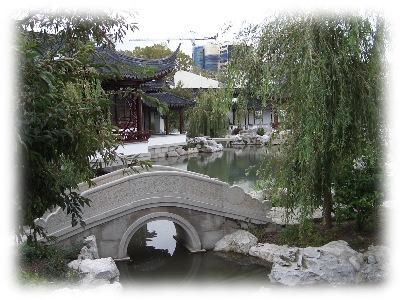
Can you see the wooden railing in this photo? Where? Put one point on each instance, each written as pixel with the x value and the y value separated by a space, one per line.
pixel 130 135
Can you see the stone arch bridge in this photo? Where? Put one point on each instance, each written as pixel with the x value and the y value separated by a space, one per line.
pixel 203 209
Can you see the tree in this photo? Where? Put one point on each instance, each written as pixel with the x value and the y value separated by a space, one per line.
pixel 327 73
pixel 61 122
pixel 209 117
pixel 183 61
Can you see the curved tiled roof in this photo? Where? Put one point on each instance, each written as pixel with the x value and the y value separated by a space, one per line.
pixel 171 100
pixel 152 86
pixel 133 67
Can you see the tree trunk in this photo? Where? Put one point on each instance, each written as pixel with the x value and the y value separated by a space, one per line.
pixel 327 206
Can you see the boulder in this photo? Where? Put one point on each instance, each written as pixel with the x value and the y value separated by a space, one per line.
pixel 240 241
pixel 273 253
pixel 207 146
pixel 212 143
pixel 265 139
pixel 172 153
pixel 207 149
pixel 259 195
pixel 238 138
pixel 102 268
pixel 238 141
pixel 376 264
pixel 90 248
pixel 97 271
pixel 192 151
pixel 334 263
pixel 200 140
pixel 181 151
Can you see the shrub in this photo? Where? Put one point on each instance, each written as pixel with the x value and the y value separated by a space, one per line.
pixel 260 131
pixel 357 191
pixel 29 253
pixel 307 234
pixel 51 262
pixel 187 146
pixel 55 267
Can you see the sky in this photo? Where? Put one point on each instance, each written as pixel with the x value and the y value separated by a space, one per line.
pixel 175 18
pixel 164 19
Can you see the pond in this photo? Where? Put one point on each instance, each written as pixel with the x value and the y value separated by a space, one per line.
pixel 157 259
pixel 234 166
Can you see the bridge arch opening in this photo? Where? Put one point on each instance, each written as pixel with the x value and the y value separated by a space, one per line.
pixel 158 236
pixel 186 233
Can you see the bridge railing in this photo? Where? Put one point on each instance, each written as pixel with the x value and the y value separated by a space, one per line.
pixel 124 172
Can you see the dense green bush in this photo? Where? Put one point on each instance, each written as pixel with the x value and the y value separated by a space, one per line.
pixel 358 191
pixel 260 131
pixel 29 253
pixel 51 262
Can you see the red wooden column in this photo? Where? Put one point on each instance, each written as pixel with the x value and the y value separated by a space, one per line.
pixel 139 114
pixel 181 121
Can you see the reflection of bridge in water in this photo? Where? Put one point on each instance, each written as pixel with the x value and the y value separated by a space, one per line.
pixel 211 269
pixel 203 209
pixel 157 259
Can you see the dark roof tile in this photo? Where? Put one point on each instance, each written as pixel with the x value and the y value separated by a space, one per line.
pixel 171 100
pixel 132 67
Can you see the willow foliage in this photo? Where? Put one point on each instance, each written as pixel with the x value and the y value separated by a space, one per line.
pixel 210 115
pixel 327 74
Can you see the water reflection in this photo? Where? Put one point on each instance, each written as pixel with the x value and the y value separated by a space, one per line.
pixel 162 235
pixel 234 166
pixel 156 258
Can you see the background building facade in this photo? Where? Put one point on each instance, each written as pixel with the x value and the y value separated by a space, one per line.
pixel 212 56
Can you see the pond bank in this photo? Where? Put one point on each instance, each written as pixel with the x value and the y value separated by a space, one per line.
pixel 334 263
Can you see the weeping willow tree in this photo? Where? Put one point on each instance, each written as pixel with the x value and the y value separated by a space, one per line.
pixel 327 74
pixel 210 115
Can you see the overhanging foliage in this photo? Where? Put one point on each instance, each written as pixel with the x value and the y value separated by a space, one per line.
pixel 61 108
pixel 327 72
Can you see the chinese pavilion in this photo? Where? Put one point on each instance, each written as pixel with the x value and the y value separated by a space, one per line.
pixel 140 79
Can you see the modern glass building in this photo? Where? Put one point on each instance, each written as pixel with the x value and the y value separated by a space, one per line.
pixel 198 56
pixel 212 56
pixel 225 52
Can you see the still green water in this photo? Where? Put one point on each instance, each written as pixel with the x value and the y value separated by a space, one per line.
pixel 233 166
